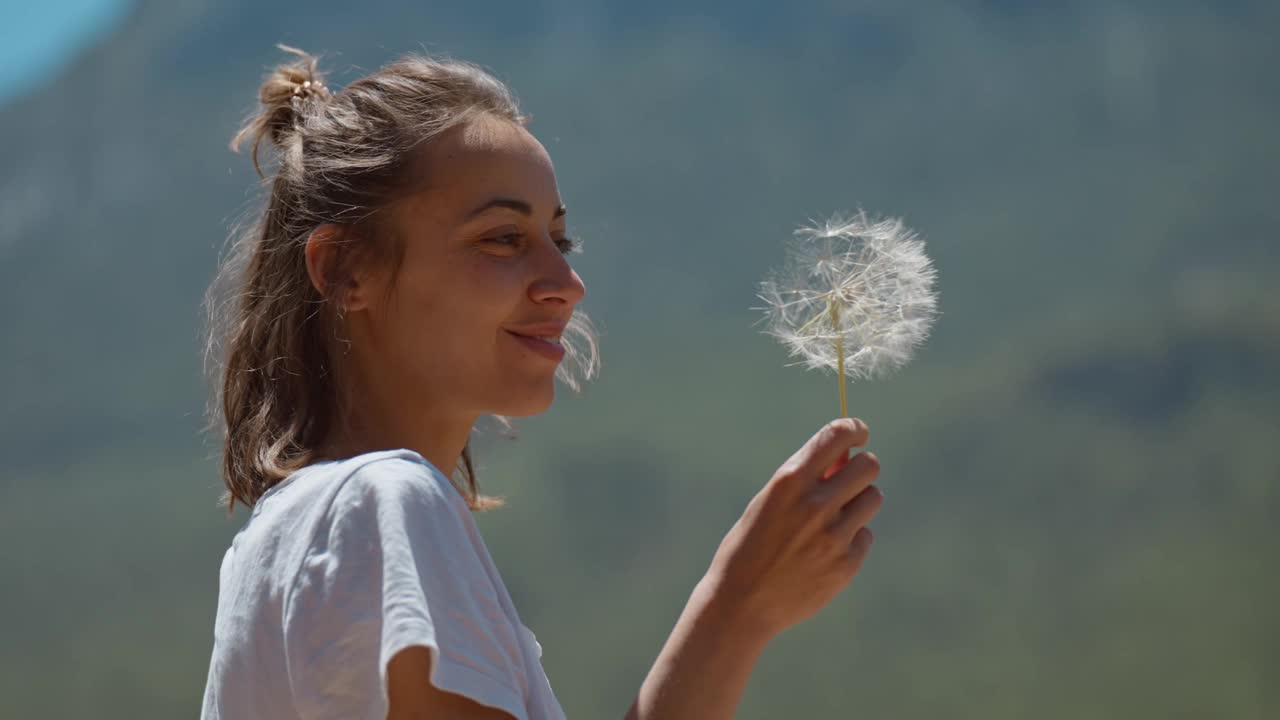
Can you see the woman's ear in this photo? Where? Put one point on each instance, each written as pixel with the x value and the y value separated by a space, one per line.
pixel 330 260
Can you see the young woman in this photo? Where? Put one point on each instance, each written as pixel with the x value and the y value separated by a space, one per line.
pixel 406 277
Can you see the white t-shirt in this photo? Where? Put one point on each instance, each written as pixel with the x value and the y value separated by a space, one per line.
pixel 343 564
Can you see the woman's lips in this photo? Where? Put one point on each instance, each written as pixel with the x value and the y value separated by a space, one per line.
pixel 549 350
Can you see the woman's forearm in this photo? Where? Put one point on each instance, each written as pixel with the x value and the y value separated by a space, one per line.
pixel 704 666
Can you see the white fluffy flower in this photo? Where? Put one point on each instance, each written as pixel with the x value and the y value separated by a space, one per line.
pixel 853 292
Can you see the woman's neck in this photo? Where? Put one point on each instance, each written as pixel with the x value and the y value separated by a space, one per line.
pixel 401 423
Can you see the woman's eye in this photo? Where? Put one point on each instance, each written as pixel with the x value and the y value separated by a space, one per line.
pixel 509 241
pixel 567 245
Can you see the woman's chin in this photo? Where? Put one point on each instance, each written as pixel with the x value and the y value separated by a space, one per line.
pixel 534 402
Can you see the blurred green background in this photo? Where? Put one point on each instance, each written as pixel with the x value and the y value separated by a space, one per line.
pixel 1082 465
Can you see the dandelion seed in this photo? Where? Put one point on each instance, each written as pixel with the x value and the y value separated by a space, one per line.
pixel 855 296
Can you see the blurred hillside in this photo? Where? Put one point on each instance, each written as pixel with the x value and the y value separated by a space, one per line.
pixel 1081 467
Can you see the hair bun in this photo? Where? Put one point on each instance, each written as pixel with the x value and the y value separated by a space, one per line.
pixel 284 96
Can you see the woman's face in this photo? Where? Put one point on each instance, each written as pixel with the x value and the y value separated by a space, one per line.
pixel 483 272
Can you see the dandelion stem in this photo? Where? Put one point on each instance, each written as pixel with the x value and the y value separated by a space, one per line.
pixel 835 323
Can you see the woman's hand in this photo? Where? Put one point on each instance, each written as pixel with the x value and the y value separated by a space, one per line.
pixel 803 536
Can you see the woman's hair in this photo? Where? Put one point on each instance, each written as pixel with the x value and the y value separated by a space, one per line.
pixel 342 157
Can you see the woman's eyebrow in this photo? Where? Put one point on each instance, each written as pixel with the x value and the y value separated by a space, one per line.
pixel 519 206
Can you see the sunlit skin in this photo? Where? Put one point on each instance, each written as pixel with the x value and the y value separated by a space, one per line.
pixel 432 352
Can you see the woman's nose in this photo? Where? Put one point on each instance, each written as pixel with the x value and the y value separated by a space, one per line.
pixel 557 280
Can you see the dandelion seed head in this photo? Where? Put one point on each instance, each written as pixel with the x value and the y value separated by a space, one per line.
pixel 877 274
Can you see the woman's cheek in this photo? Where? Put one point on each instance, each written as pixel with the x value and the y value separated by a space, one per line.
pixel 496 285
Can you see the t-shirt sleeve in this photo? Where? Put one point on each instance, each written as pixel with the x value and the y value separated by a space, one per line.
pixel 392 565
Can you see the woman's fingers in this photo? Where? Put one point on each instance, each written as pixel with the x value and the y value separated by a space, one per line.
pixel 824 449
pixel 853 478
pixel 858 549
pixel 783 560
pixel 840 462
pixel 855 515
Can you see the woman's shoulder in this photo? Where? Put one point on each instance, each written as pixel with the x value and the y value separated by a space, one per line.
pixel 392 503
pixel 399 477
pixel 374 486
